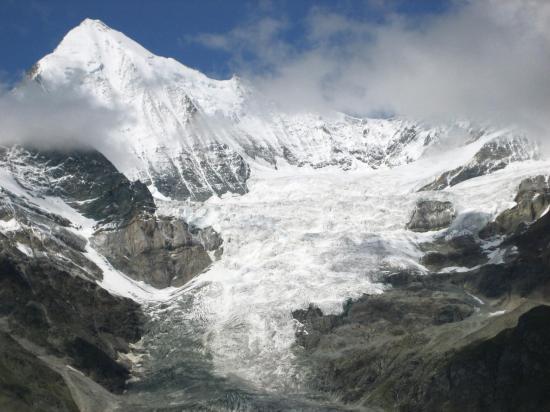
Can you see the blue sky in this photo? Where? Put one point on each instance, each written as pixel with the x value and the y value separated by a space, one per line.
pixel 429 59
pixel 29 29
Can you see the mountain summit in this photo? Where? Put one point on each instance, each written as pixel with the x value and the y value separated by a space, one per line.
pixel 191 136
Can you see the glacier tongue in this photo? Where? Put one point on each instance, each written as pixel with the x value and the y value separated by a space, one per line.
pixel 301 236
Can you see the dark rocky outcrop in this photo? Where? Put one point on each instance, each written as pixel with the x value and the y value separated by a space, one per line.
pixel 431 215
pixel 71 338
pixel 493 155
pixel 28 384
pixel 427 345
pixel 375 351
pixel 459 251
pixel 198 173
pixel 46 236
pixel 85 179
pixel 526 268
pixel 161 251
pixel 510 372
pixel 92 185
pixel 475 340
pixel 532 200
pixel 68 315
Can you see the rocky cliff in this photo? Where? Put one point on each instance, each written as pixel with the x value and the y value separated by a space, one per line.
pixel 161 251
pixel 470 340
pixel 493 155
pixel 66 317
pixel 55 315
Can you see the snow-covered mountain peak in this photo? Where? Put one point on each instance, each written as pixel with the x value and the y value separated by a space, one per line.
pixel 192 136
pixel 112 66
pixel 92 24
pixel 89 47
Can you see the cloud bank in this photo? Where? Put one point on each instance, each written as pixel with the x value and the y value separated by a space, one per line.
pixel 480 60
pixel 60 119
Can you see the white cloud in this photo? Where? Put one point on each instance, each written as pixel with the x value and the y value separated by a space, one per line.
pixel 485 59
pixel 255 40
pixel 60 119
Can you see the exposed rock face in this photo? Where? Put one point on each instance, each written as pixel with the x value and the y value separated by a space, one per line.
pixel 431 215
pixel 53 311
pixel 377 350
pixel 494 155
pixel 27 384
pixel 533 199
pixel 423 347
pixel 85 179
pixel 200 172
pixel 161 251
pixel 313 324
pixel 460 251
pixel 68 316
pixel 474 340
pixel 510 372
pixel 525 270
pixel 44 236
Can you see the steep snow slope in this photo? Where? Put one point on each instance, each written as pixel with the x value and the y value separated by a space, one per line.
pixel 189 136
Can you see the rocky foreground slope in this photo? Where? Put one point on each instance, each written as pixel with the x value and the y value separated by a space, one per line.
pixel 474 340
pixel 56 317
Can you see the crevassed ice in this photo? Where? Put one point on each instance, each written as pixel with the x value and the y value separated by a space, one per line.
pixel 306 236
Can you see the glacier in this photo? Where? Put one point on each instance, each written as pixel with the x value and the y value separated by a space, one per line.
pixel 312 209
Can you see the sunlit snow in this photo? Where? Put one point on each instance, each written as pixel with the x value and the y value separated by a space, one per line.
pixel 306 236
